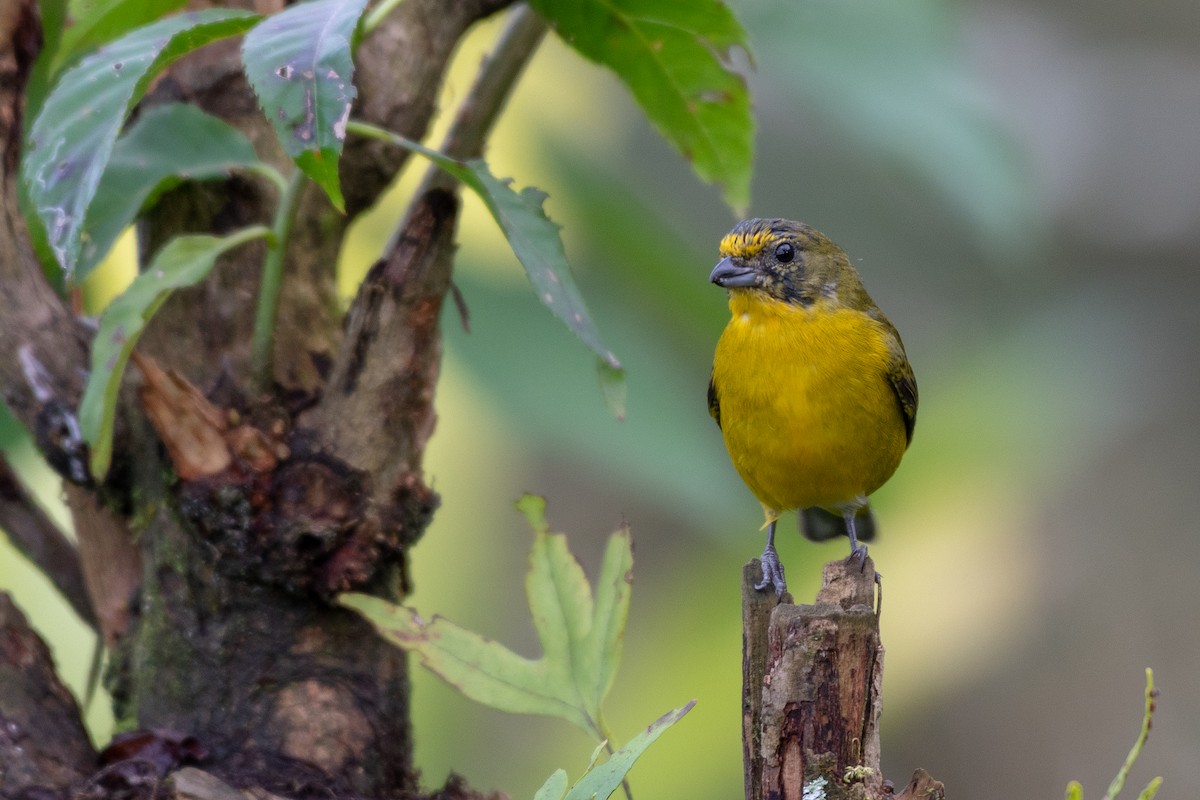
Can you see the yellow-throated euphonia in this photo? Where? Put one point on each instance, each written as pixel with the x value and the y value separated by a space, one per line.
pixel 810 385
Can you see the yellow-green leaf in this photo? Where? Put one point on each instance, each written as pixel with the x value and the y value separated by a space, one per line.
pixel 580 637
pixel 183 261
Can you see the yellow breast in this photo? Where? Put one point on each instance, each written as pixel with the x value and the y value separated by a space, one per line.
pixel 807 411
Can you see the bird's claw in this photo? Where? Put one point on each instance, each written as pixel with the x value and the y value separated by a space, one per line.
pixel 859 553
pixel 772 571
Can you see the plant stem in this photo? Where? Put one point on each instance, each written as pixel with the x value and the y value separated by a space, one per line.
pixel 1118 782
pixel 272 278
pixel 377 15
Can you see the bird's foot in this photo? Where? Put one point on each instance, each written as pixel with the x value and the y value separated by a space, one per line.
pixel 772 572
pixel 859 553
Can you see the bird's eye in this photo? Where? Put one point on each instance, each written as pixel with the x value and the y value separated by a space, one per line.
pixel 785 253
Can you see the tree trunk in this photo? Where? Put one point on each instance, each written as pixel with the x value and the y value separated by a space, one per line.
pixel 212 586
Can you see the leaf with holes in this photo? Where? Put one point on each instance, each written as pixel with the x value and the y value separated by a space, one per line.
pixel 72 138
pixel 183 261
pixel 580 636
pixel 674 57
pixel 299 63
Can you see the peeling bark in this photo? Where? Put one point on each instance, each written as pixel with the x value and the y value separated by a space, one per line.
pixel 812 680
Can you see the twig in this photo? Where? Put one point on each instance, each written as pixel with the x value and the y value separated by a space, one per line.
pixel 482 106
pixel 272 276
pixel 497 76
pixel 37 537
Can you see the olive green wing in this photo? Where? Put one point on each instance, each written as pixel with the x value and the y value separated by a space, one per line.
pixel 904 384
pixel 714 405
pixel 900 375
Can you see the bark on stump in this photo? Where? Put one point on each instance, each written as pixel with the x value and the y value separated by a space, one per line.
pixel 811 681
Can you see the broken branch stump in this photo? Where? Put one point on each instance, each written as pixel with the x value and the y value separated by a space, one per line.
pixel 811 678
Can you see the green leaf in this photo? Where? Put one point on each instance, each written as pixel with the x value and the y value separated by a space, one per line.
pixel 73 136
pixel 299 63
pixel 1074 790
pixel 601 781
pixel 674 57
pixel 581 639
pixel 183 261
pixel 54 17
pixel 535 241
pixel 94 22
pixel 554 787
pixel 166 145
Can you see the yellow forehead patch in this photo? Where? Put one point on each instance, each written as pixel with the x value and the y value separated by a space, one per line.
pixel 743 244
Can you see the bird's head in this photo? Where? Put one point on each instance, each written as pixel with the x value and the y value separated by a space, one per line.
pixel 786 260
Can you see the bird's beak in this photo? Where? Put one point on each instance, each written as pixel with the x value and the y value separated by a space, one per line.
pixel 730 276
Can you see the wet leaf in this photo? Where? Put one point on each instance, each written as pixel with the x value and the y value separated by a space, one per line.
pixel 72 139
pixel 167 144
pixel 184 261
pixel 581 637
pixel 299 63
pixel 674 57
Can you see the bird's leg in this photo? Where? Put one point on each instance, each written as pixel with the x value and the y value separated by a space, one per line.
pixel 857 550
pixel 772 570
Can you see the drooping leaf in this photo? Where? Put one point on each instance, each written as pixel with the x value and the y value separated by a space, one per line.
pixel 299 63
pixel 535 241
pixel 166 145
pixel 674 57
pixel 184 261
pixel 72 139
pixel 95 22
pixel 580 638
pixel 603 779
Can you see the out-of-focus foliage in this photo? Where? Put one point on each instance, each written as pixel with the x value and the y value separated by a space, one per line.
pixel 890 77
pixel 1075 790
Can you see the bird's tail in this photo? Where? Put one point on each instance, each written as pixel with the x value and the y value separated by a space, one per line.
pixel 819 525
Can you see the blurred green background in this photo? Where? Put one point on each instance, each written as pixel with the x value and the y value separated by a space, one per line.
pixel 1019 184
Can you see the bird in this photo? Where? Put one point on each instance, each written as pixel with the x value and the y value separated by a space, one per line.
pixel 811 387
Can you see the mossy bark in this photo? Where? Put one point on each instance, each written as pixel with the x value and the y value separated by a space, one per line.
pixel 226 631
